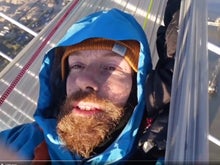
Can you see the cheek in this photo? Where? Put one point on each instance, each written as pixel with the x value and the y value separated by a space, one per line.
pixel 70 86
pixel 118 92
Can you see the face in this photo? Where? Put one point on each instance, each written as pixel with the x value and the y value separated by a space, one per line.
pixel 101 71
pixel 98 87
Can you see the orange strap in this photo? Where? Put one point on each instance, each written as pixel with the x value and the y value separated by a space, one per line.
pixel 41 155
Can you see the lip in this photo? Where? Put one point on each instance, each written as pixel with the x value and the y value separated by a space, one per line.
pixel 78 111
pixel 85 109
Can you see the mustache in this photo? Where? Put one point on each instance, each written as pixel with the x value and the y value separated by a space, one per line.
pixel 80 95
pixel 86 97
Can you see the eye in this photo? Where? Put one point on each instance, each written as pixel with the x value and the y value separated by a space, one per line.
pixel 77 66
pixel 109 68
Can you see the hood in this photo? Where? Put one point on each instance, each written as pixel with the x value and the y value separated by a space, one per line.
pixel 97 25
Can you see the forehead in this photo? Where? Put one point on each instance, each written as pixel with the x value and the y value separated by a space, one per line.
pixel 96 55
pixel 99 56
pixel 91 53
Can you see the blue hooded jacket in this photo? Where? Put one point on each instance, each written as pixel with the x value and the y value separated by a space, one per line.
pixel 26 137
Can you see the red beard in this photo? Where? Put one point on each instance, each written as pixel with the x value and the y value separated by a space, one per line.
pixel 81 134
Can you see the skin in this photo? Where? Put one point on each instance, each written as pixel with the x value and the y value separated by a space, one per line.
pixel 101 71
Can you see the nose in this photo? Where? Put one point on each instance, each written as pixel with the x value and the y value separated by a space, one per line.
pixel 87 82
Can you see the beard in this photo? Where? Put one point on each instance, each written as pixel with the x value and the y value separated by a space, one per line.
pixel 82 134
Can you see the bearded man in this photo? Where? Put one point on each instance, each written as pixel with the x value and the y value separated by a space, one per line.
pixel 98 85
pixel 95 100
pixel 91 101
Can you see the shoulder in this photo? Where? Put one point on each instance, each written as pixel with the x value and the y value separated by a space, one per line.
pixel 22 139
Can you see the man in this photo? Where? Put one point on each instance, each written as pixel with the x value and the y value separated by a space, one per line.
pixel 91 101
pixel 93 93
